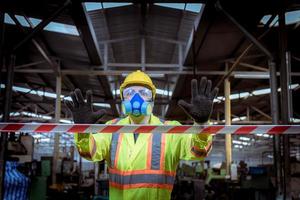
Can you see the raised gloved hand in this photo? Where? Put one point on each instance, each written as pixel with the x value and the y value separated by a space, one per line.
pixel 83 111
pixel 201 105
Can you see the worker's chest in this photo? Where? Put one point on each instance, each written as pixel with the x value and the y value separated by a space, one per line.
pixel 148 152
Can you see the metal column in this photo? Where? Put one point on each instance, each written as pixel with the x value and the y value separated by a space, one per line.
pixel 228 147
pixel 284 74
pixel 57 135
pixel 248 113
pixel 2 30
pixel 6 111
pixel 180 56
pixel 143 54
pixel 105 56
pixel 96 176
pixel 289 82
pixel 275 119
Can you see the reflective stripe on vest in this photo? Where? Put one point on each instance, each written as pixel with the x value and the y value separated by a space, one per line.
pixel 156 151
pixel 157 148
pixel 113 148
pixel 140 185
pixel 114 144
pixel 141 178
pixel 153 176
pixel 140 171
pixel 201 152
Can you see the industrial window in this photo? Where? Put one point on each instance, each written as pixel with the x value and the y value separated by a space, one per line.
pixel 291 17
pixel 52 26
pixel 192 7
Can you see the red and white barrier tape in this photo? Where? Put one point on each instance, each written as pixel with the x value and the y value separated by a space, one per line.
pixel 102 128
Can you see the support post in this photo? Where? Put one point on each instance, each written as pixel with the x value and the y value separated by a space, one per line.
pixel 284 74
pixel 289 80
pixel 180 56
pixel 218 116
pixel 96 176
pixel 275 117
pixel 6 112
pixel 56 135
pixel 143 54
pixel 248 113
pixel 228 143
pixel 105 56
pixel 2 30
pixel 80 172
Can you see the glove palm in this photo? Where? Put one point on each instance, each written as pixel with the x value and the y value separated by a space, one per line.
pixel 83 111
pixel 201 104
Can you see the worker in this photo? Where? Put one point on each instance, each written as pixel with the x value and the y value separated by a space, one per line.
pixel 143 166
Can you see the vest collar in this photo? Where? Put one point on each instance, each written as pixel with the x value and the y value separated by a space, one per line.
pixel 153 120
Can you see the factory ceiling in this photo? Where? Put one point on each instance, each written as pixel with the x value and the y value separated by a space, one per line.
pixel 93 45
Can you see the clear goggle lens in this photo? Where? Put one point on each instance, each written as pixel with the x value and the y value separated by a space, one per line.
pixel 129 92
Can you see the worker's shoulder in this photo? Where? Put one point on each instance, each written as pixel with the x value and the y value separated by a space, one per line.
pixel 118 120
pixel 155 120
pixel 171 122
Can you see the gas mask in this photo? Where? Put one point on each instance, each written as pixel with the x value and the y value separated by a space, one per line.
pixel 137 106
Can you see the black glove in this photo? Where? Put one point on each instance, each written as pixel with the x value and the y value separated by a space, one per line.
pixel 201 105
pixel 83 111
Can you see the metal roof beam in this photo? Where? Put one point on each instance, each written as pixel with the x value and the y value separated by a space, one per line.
pixel 245 32
pixel 198 35
pixel 104 81
pixel 88 36
pixel 30 64
pixel 149 1
pixel 44 53
pixel 261 112
pixel 167 40
pixel 25 95
pixel 148 65
pixel 87 32
pixel 255 67
pixel 41 25
pixel 156 72
pixel 103 11
pixel 40 49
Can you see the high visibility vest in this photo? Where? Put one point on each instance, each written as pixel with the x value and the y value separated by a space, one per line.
pixel 144 169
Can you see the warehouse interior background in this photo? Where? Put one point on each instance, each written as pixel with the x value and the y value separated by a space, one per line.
pixel 249 49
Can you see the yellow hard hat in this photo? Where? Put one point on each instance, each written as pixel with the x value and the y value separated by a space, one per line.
pixel 138 78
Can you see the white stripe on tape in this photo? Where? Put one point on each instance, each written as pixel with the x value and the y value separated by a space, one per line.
pixel 92 128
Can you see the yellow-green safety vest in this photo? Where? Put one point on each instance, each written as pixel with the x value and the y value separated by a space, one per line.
pixel 144 169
